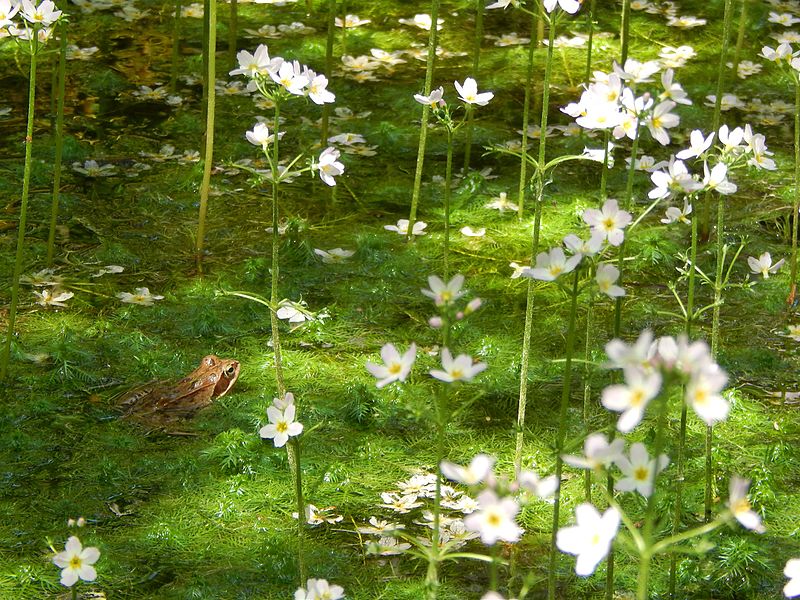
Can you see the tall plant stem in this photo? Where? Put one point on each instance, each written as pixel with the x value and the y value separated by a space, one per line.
pixel 208 154
pixel 233 33
pixel 203 101
pixel 537 221
pixel 448 176
pixel 589 43
pixel 326 108
pixel 718 282
pixel 562 433
pixel 275 267
pixel 705 225
pixel 293 454
pixel 59 150
pixel 23 209
pixel 176 46
pixel 587 389
pixel 423 129
pixel 476 61
pixel 737 53
pixel 680 458
pixel 627 205
pixel 796 202
pixel 624 32
pixel 526 107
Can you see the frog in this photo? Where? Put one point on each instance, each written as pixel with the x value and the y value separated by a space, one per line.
pixel 160 403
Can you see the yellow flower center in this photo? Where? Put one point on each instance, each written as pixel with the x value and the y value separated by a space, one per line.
pixel 281 426
pixel 641 473
pixel 456 373
pixel 395 368
pixel 75 562
pixel 637 397
pixel 493 520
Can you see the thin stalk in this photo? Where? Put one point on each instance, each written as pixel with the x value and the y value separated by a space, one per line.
pixel 233 33
pixel 176 46
pixel 537 221
pixel 448 176
pixel 493 568
pixel 523 165
pixel 587 389
pixel 423 130
pixel 23 209
pixel 624 31
pixel 208 154
pixel 274 271
pixel 796 203
pixel 726 34
pixel 737 53
pixel 476 61
pixel 206 84
pixel 562 434
pixel 59 141
pixel 326 108
pixel 589 43
pixel 293 454
pixel 74 593
pixel 715 118
pixel 680 458
pixel 604 174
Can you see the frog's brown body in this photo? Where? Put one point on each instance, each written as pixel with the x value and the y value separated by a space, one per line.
pixel 163 402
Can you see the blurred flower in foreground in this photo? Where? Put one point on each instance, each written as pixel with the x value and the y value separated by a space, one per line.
pixel 590 539
pixel 396 367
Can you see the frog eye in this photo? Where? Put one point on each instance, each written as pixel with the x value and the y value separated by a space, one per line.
pixel 230 371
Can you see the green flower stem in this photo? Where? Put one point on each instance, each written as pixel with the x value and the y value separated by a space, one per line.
pixel 624 31
pixel 587 389
pixel 493 568
pixel 59 142
pixel 326 108
pixel 796 203
pixel 74 593
pixel 23 209
pixel 737 53
pixel 562 433
pixel 208 155
pixel 448 176
pixel 293 453
pixel 587 78
pixel 537 220
pixel 604 174
pixel 423 129
pixel 275 269
pixel 523 165
pixel 715 118
pixel 233 33
pixel 176 46
pixel 679 460
pixel 476 61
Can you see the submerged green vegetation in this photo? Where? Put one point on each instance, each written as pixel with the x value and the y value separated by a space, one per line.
pixel 208 513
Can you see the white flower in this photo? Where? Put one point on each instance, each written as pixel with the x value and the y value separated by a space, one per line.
pixel 542 488
pixel 112 269
pixel 402 227
pixel 329 165
pixel 282 403
pixel 673 214
pixel 334 255
pixel 318 92
pixel 258 63
pixel 590 539
pixel 588 247
pixel 398 503
pixel 792 571
pixel 717 179
pixel 444 294
pixel 7 12
pixel 549 265
pixel 519 270
pixel 598 453
pixel 609 220
pixel 676 180
pixel 319 589
pixel 639 470
pixel 570 6
pixel 45 14
pixel 457 369
pixel 141 296
pixel 396 367
pixel 503 4
pixel 434 99
pixel 501 203
pixel 495 519
pixel 606 278
pixel 53 297
pixel 632 397
pixel 624 356
pixel 350 21
pixel 763 265
pixel 478 470
pixel 697 145
pixel 289 76
pixel 281 426
pixel 423 21
pixel 470 232
pixel 468 92
pixel 260 136
pixel 703 394
pixel 740 505
pixel 292 312
pixel 76 562
pixel 783 53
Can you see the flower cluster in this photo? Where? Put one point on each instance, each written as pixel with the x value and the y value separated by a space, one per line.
pixel 647 362
pixel 606 226
pixel 36 20
pixel 319 589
